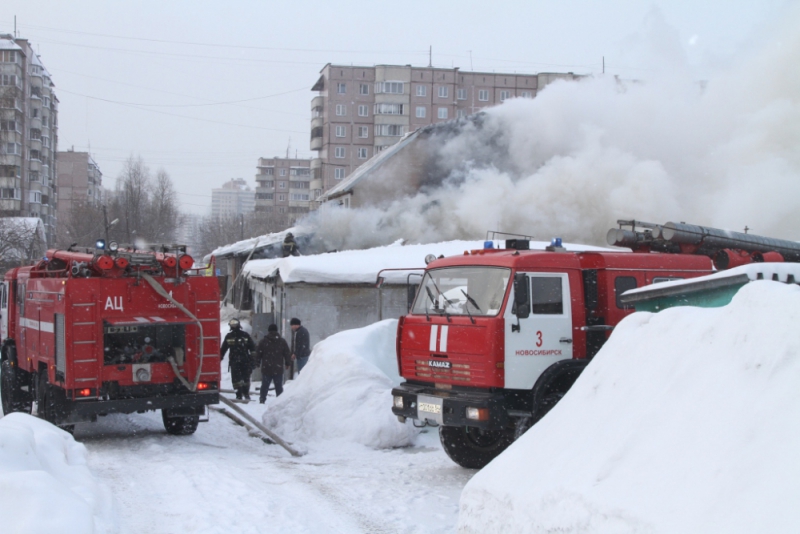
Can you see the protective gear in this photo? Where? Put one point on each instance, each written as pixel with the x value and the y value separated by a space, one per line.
pixel 234 323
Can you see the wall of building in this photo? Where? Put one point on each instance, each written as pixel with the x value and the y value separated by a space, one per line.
pixel 283 187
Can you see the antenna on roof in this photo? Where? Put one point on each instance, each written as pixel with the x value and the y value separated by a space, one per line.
pixel 288 147
pixel 430 56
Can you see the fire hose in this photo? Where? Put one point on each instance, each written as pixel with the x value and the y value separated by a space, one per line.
pixel 163 292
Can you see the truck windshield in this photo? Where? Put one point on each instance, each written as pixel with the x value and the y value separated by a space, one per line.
pixel 142 343
pixel 476 291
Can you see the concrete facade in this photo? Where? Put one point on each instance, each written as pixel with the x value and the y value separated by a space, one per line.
pixel 28 135
pixel 233 199
pixel 360 111
pixel 79 181
pixel 283 187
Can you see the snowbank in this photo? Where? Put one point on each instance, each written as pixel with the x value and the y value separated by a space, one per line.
pixel 686 421
pixel 344 392
pixel 45 485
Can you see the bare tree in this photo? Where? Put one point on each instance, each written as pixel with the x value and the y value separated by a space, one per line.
pixel 164 216
pixel 83 225
pixel 22 242
pixel 216 232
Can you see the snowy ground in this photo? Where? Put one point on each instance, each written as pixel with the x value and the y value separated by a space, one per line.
pixel 223 480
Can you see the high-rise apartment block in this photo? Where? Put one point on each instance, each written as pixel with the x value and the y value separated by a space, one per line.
pixel 28 135
pixel 233 199
pixel 361 110
pixel 79 182
pixel 283 186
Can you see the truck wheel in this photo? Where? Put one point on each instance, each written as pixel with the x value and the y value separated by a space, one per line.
pixel 52 403
pixel 14 399
pixel 553 384
pixel 473 447
pixel 181 425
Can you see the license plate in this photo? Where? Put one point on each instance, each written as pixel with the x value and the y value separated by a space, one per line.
pixel 430 408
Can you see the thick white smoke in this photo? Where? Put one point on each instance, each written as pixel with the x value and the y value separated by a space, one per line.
pixel 723 152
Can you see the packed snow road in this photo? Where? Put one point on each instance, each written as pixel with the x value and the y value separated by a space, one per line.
pixel 222 479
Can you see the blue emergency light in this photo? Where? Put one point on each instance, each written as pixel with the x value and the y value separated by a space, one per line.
pixel 555 242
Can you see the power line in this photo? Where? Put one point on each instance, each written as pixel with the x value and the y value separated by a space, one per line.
pixel 136 106
pixel 219 45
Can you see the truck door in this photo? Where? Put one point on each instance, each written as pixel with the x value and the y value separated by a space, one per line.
pixel 3 311
pixel 544 337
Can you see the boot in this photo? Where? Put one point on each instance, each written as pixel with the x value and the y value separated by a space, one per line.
pixel 239 393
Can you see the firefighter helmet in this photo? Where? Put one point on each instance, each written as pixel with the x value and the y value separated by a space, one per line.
pixel 234 323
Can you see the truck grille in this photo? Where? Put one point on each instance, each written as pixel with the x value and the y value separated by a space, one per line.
pixel 459 371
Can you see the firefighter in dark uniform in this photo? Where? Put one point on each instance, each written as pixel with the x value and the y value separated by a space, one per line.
pixel 241 346
pixel 290 246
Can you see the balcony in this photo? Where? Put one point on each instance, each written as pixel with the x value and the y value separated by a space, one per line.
pixel 316 138
pixel 316 122
pixel 317 102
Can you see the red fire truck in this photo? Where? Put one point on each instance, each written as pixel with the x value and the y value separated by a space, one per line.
pixel 495 338
pixel 97 331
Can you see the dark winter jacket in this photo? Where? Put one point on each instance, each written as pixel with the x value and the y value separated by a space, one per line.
pixel 301 343
pixel 290 247
pixel 240 344
pixel 272 353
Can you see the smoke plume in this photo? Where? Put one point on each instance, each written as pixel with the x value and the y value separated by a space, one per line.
pixel 723 152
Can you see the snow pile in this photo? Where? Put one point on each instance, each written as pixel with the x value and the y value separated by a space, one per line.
pixel 344 393
pixel 686 421
pixel 45 485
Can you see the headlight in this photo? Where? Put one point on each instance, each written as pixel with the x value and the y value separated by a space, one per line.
pixel 398 402
pixel 113 246
pixel 478 414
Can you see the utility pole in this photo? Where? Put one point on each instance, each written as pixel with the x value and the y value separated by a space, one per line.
pixel 241 215
pixel 430 56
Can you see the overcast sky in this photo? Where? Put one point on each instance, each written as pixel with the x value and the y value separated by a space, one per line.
pixel 203 89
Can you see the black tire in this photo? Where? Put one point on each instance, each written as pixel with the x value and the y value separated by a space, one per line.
pixel 52 403
pixel 553 384
pixel 14 399
pixel 181 425
pixel 472 447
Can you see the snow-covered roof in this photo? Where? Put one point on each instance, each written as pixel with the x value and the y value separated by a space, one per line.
pixel 780 272
pixel 363 266
pixel 366 169
pixel 8 44
pixel 246 245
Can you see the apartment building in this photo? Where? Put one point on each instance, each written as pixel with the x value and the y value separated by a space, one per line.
pixel 233 199
pixel 283 186
pixel 359 111
pixel 28 135
pixel 79 181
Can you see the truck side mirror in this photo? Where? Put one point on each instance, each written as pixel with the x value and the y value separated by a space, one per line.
pixel 522 296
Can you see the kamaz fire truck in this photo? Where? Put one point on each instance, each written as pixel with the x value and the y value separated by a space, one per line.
pixel 495 338
pixel 91 332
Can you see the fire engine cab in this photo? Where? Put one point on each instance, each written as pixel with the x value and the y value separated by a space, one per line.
pixel 96 331
pixel 495 338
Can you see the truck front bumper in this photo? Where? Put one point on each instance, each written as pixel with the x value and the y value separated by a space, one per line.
pixel 450 407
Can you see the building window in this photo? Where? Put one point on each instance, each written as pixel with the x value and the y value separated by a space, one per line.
pixel 300 171
pixel 33 176
pixel 8 79
pixel 338 173
pixel 462 94
pixel 363 132
pixel 443 91
pixel 394 88
pixel 268 184
pixel 281 210
pixel 298 185
pixel 298 196
pixel 505 95
pixel 341 110
pixel 9 192
pixel 35 197
pixel 363 153
pixel 35 155
pixel 338 152
pixel 363 89
pixel 442 113
pixel 264 196
pixel 8 56
pixel 281 197
pixel 483 95
pixel 422 90
pixel 281 185
pixel 421 112
pixel 283 172
pixel 526 94
pixel 341 131
pixel 363 110
pixel 388 109
pixel 341 88
pixel 9 126
pixel 460 113
pixel 268 171
pixel 390 130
